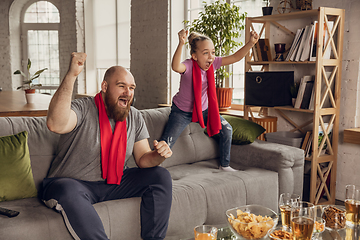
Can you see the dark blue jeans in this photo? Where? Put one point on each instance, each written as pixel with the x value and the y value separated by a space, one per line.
pixel 179 119
pixel 75 198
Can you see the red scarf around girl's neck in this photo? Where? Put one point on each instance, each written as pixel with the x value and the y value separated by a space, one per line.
pixel 113 145
pixel 213 123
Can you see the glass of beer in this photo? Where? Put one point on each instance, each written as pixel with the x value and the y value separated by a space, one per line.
pixel 302 220
pixel 285 202
pixel 205 232
pixel 352 205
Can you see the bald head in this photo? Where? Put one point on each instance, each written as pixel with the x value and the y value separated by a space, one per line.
pixel 119 71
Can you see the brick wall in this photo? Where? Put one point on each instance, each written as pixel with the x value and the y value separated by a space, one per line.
pixel 5 69
pixel 149 51
pixel 70 38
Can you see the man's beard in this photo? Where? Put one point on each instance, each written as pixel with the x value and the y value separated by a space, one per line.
pixel 114 111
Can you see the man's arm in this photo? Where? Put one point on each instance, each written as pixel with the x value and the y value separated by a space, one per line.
pixel 145 158
pixel 60 118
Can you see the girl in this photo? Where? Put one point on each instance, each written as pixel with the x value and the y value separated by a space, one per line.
pixel 196 99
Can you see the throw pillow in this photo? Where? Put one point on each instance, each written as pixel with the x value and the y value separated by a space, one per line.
pixel 16 178
pixel 244 131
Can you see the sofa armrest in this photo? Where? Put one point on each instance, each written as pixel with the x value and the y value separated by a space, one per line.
pixel 287 161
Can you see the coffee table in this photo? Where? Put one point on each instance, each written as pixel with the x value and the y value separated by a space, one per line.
pixel 348 233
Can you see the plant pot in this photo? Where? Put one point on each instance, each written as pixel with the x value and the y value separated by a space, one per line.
pixel 267 10
pixel 224 97
pixel 29 95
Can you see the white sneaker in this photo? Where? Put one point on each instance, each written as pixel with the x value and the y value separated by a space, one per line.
pixel 228 169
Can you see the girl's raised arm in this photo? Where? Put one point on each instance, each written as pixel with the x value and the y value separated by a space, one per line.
pixel 238 55
pixel 176 64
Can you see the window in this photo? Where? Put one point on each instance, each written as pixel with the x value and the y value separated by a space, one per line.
pixel 237 77
pixel 40 27
pixel 107 36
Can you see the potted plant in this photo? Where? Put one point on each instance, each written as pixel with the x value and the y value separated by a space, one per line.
pixel 267 10
pixel 222 23
pixel 28 85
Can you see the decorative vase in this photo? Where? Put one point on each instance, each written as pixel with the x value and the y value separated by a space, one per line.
pixel 267 10
pixel 29 95
pixel 224 97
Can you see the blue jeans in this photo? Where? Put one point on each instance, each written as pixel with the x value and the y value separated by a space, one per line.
pixel 77 197
pixel 179 119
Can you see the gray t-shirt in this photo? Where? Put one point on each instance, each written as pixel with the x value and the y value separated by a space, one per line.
pixel 79 155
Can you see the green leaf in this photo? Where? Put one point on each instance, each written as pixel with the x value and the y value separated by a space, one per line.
pixel 40 71
pixel 29 64
pixel 20 72
pixel 34 77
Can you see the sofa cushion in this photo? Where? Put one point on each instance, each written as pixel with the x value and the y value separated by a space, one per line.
pixel 16 178
pixel 244 131
pixel 216 191
pixel 41 141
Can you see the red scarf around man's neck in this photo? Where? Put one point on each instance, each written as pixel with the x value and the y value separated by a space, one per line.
pixel 113 145
pixel 213 123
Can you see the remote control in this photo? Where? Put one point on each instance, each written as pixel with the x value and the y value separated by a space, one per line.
pixel 8 212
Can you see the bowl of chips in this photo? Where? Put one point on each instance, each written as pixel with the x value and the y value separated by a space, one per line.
pixel 280 233
pixel 251 221
pixel 335 218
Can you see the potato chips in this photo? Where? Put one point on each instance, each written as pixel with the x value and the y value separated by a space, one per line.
pixel 281 234
pixel 249 225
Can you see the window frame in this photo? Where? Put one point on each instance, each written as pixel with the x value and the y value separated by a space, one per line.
pixel 25 27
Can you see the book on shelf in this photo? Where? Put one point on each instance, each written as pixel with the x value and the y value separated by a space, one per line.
pixel 258 51
pixel 314 42
pixel 255 56
pixel 302 43
pixel 307 95
pixel 293 45
pixel 264 46
pixel 307 149
pixel 301 91
pixel 296 48
pixel 313 49
pixel 306 140
pixel 305 55
pixel 327 101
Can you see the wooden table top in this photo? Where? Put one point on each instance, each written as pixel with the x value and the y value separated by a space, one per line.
pixel 13 103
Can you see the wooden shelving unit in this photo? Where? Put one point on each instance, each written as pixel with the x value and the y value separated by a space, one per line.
pixel 320 114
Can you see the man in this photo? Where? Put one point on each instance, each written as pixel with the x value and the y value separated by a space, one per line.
pixel 99 135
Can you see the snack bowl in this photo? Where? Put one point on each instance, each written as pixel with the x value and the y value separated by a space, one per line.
pixel 280 233
pixel 334 216
pixel 251 221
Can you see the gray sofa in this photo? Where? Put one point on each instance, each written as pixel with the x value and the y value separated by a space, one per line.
pixel 201 192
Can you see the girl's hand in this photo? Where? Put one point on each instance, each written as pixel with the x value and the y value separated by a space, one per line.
pixel 254 37
pixel 182 36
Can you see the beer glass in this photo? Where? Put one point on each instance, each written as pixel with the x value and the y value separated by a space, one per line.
pixel 285 202
pixel 302 220
pixel 205 232
pixel 352 205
